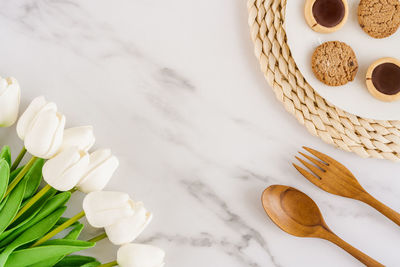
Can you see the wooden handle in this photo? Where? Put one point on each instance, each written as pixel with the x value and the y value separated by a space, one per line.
pixel 364 258
pixel 382 208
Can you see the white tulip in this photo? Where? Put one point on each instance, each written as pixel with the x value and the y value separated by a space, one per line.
pixel 10 94
pixel 127 229
pixel 101 168
pixel 45 134
pixel 82 137
pixel 64 171
pixel 104 208
pixel 42 128
pixel 139 255
pixel 37 104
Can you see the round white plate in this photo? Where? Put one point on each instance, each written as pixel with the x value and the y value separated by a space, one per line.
pixel 354 96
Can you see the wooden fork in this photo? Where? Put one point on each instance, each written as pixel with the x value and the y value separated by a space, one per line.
pixel 334 178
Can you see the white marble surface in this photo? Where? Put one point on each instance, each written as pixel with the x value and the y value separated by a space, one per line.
pixel 173 88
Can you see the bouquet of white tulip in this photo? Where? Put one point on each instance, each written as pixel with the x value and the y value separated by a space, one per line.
pixel 31 218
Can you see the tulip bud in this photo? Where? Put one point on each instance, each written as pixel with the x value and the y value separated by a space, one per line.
pixel 10 94
pixel 37 104
pixel 139 255
pixel 41 127
pixel 64 171
pixel 81 137
pixel 45 134
pixel 101 168
pixel 127 229
pixel 104 208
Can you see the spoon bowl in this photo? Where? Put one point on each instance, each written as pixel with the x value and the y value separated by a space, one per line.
pixel 297 214
pixel 293 211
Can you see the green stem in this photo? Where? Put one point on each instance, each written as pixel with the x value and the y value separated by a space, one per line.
pixel 20 175
pixel 32 201
pixel 18 159
pixel 98 238
pixel 113 263
pixel 59 229
pixel 73 190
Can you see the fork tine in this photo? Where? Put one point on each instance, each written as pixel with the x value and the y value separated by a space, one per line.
pixel 311 167
pixel 313 179
pixel 320 155
pixel 327 159
pixel 316 162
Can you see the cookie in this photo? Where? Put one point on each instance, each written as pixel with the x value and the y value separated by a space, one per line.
pixel 379 18
pixel 334 63
pixel 326 16
pixel 383 79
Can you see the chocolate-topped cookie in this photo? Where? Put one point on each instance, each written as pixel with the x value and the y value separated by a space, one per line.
pixel 383 79
pixel 379 18
pixel 334 63
pixel 326 16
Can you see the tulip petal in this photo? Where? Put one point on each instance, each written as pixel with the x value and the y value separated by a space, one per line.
pixel 44 133
pixel 57 138
pixel 30 113
pixel 55 167
pixel 98 157
pixel 65 170
pixel 140 255
pixel 9 102
pixel 82 137
pixel 128 229
pixel 104 208
pixel 3 85
pixel 101 168
pixel 74 173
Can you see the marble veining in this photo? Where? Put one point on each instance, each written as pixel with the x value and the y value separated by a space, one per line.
pixel 174 89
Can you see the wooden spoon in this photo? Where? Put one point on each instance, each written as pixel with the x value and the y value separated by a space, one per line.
pixel 297 214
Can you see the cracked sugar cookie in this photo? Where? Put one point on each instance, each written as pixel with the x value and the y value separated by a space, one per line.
pixel 334 63
pixel 379 18
pixel 326 16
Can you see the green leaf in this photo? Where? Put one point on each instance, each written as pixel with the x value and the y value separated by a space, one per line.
pixel 36 207
pixel 4 177
pixel 32 234
pixel 91 264
pixel 75 232
pixel 30 213
pixel 55 248
pixel 12 205
pixel 77 260
pixel 34 177
pixel 47 263
pixel 3 202
pixel 5 154
pixel 63 220
pixel 72 235
pixel 51 205
pixel 14 173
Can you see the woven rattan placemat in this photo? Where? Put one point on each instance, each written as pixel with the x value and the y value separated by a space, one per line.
pixel 365 137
